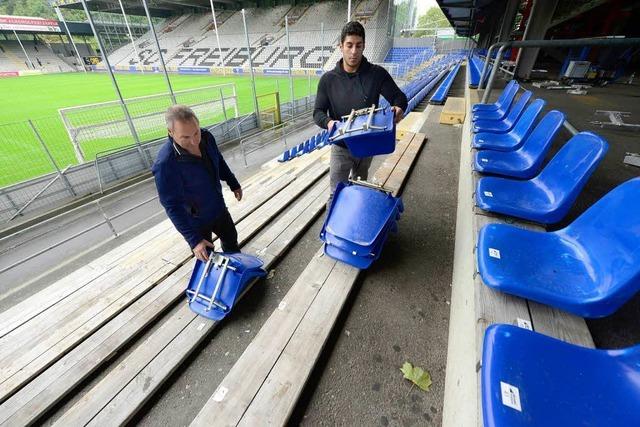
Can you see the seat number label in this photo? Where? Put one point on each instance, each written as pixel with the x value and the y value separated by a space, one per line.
pixel 484 160
pixel 494 253
pixel 525 324
pixel 510 396
pixel 220 393
pixel 488 193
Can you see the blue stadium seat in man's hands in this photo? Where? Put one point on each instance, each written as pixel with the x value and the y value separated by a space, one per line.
pixel 506 98
pixel 529 379
pixel 505 125
pixel 548 197
pixel 515 137
pixel 590 268
pixel 525 162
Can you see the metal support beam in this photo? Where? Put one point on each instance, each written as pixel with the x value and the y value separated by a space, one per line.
pixel 537 26
pixel 253 77
pixel 155 36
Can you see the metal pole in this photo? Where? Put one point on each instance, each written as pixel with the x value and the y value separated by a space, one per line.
pixel 125 110
pixel 23 50
pixel 75 48
pixel 224 109
pixel 155 36
pixel 322 42
pixel 286 27
pixel 253 77
pixel 126 21
pixel 45 188
pixel 51 159
pixel 215 26
pixel 492 76
pixel 485 67
pixel 568 126
pixel 349 11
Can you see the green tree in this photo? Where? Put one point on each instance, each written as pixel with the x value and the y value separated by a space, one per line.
pixel 432 19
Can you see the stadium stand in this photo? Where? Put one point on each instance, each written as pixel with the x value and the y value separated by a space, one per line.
pixel 12 58
pixel 189 40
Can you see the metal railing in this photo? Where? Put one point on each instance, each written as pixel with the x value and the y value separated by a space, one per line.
pixel 607 41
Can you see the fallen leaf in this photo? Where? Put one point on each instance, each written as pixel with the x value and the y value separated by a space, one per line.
pixel 416 375
pixel 271 274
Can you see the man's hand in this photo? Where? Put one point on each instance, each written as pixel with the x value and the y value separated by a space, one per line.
pixel 331 124
pixel 200 251
pixel 238 194
pixel 398 114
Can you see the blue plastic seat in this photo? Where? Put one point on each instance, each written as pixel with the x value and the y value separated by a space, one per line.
pixel 505 98
pixel 515 137
pixel 506 124
pixel 307 146
pixel 530 379
pixel 440 95
pixel 284 157
pixel 474 73
pixel 525 162
pixel 215 286
pixel 501 112
pixel 548 197
pixel 300 149
pixel 351 237
pixel 590 268
pixel 293 152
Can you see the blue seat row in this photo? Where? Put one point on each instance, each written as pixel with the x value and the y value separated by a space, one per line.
pixel 440 95
pixel 474 64
pixel 589 268
pixel 315 142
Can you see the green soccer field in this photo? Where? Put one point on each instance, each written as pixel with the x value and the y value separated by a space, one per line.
pixel 38 98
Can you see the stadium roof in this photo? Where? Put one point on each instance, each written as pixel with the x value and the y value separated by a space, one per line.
pixel 463 13
pixel 163 8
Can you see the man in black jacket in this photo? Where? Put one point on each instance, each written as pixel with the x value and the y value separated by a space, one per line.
pixel 354 83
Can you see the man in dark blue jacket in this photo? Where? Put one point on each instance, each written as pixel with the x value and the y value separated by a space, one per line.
pixel 188 171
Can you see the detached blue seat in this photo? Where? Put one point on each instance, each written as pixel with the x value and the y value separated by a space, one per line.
pixel 351 237
pixel 529 379
pixel 506 124
pixel 548 197
pixel 525 162
pixel 509 91
pixel 590 268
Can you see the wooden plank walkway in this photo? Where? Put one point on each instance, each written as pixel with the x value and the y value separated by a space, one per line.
pixel 265 383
